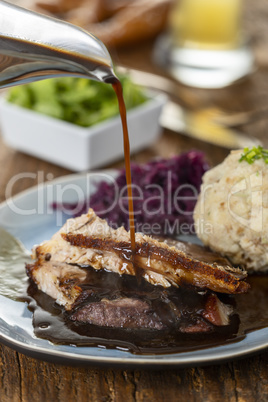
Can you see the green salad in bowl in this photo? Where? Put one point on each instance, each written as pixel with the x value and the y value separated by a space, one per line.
pixel 77 100
pixel 75 122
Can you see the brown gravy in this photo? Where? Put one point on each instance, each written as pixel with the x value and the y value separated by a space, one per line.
pixel 122 108
pixel 51 322
pixel 117 86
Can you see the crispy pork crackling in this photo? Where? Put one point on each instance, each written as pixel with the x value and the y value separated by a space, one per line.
pixel 89 240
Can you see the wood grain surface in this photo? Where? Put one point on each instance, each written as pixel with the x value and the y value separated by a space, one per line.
pixel 26 379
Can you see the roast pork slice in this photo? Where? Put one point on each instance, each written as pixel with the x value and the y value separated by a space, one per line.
pixel 58 280
pixel 89 240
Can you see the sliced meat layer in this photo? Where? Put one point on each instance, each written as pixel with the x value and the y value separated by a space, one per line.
pixel 60 281
pixel 119 313
pixel 216 312
pixel 89 240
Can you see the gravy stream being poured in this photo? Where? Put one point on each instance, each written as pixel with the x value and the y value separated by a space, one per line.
pixel 26 55
pixel 122 108
pixel 22 61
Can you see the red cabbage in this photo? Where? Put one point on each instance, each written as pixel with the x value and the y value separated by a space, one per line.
pixel 165 193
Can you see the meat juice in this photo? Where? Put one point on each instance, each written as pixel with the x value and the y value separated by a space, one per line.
pixel 174 310
pixel 122 108
pixel 51 322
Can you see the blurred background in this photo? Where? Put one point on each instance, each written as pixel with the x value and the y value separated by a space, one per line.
pixel 163 37
pixel 121 23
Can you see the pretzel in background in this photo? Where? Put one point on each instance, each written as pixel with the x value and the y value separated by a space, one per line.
pixel 115 22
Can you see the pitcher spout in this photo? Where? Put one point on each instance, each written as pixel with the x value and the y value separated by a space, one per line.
pixel 35 47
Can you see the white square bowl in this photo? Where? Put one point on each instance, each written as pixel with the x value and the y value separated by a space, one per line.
pixel 78 148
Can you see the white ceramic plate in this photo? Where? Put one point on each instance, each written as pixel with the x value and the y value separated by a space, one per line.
pixel 29 217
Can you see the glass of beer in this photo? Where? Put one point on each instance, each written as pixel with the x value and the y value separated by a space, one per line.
pixel 205 46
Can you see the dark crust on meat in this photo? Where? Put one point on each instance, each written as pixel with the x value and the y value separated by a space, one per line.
pixel 230 282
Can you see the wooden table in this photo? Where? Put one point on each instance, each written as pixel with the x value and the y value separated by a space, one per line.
pixel 26 379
